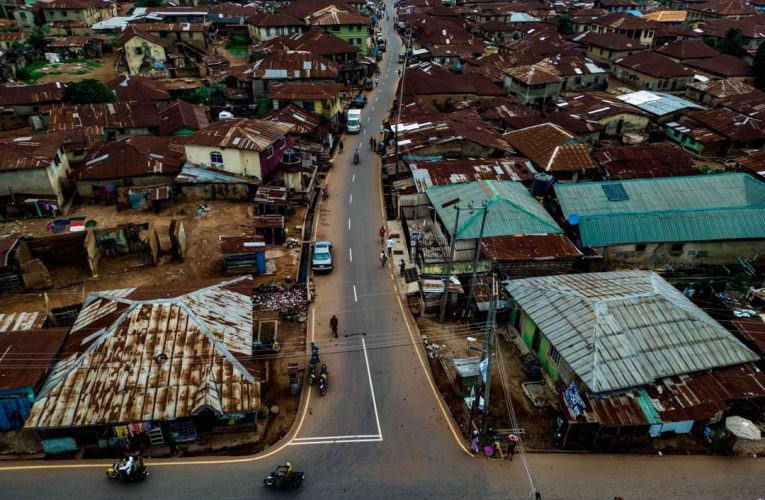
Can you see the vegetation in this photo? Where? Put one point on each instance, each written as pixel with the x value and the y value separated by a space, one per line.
pixel 759 66
pixel 238 46
pixel 564 25
pixel 149 3
pixel 731 44
pixel 87 91
pixel 204 95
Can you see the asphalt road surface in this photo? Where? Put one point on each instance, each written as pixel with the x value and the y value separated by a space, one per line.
pixel 381 432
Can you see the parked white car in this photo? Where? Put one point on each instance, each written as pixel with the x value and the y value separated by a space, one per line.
pixel 322 256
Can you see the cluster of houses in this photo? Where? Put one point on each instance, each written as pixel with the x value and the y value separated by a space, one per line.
pixel 589 157
pixel 598 158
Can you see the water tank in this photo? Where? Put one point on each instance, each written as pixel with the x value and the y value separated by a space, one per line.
pixel 225 115
pixel 292 157
pixel 542 184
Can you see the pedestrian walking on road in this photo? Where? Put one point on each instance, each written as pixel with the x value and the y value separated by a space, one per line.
pixel 372 142
pixel 389 245
pixel 383 258
pixel 401 268
pixel 474 442
pixel 340 144
pixel 512 440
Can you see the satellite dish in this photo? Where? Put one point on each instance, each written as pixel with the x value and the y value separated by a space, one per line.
pixel 573 219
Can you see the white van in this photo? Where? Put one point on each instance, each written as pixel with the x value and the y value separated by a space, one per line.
pixel 353 123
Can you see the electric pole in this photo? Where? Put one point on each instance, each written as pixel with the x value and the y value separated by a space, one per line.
pixel 442 315
pixel 490 328
pixel 475 259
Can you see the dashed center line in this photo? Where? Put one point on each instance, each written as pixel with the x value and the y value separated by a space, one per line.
pixel 350 199
pixel 355 297
pixel 350 254
pixel 349 224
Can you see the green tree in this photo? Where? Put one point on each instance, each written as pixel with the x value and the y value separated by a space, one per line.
pixel 204 95
pixel 564 25
pixel 36 40
pixel 149 3
pixel 87 91
pixel 759 66
pixel 732 43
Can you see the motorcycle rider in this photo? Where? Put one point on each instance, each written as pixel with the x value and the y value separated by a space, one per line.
pixel 127 468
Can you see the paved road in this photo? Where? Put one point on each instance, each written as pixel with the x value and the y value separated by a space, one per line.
pixel 395 441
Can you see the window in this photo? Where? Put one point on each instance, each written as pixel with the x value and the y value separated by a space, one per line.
pixel 269 151
pixel 640 247
pixel 336 28
pixel 309 106
pixel 216 158
pixel 554 355
pixel 677 248
pixel 282 141
pixel 138 50
pixel 64 13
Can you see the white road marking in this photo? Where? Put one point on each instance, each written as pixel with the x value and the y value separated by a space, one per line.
pixel 349 224
pixel 350 254
pixel 368 118
pixel 371 387
pixel 353 178
pixel 373 108
pixel 336 441
pixel 355 297
pixel 327 438
pixel 350 199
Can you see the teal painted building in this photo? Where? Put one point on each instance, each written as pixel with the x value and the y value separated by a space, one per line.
pixel 673 222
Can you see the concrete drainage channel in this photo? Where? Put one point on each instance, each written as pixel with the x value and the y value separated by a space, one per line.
pixel 305 250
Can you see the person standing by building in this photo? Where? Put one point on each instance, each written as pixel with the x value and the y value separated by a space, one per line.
pixel 389 246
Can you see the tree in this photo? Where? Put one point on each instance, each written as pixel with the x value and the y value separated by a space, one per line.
pixel 759 66
pixel 204 95
pixel 36 40
pixel 86 92
pixel 565 27
pixel 149 3
pixel 732 44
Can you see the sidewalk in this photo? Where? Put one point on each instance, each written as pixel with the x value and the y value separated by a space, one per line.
pixel 400 253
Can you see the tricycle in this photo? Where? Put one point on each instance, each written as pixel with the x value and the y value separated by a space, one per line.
pixel 284 476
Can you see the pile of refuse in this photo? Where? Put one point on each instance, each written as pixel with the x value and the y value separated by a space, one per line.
pixel 279 296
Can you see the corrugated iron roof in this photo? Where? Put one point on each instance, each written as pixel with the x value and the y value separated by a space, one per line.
pixel 182 115
pixel 29 152
pixel 241 244
pixel 138 89
pixel 512 209
pixel 27 355
pixel 133 156
pixel 657 103
pixel 438 173
pixel 303 91
pixel 623 330
pixel 303 122
pixel 332 15
pixel 551 148
pixel 14 322
pixel 153 354
pixel 11 95
pixel 671 209
pixel 241 133
pixel 524 247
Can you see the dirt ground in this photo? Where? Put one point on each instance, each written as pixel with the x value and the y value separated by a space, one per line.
pixel 203 259
pixel 219 47
pixel 535 423
pixel 72 72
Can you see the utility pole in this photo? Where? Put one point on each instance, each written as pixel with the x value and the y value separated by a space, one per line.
pixel 490 327
pixel 407 43
pixel 442 315
pixel 475 258
pixel 481 385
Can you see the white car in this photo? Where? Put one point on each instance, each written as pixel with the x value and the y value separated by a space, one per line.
pixel 322 256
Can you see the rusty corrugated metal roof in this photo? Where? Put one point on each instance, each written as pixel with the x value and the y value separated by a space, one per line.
pixel 27 355
pixel 154 354
pixel 14 322
pixel 522 247
pixel 242 133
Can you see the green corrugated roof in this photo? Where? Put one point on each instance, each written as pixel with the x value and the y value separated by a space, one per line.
pixel 512 209
pixel 675 209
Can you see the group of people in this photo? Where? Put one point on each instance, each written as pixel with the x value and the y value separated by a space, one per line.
pixel 493 443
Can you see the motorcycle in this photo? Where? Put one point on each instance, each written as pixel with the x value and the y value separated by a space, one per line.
pixel 312 374
pixel 284 476
pixel 323 380
pixel 138 470
pixel 356 158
